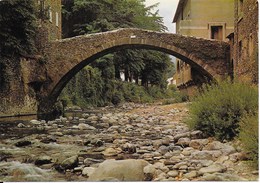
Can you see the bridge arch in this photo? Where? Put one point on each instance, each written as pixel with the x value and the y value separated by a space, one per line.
pixel 68 56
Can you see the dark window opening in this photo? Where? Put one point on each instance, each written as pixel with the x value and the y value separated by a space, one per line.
pixel 217 32
pixel 241 4
pixel 240 49
pixel 232 69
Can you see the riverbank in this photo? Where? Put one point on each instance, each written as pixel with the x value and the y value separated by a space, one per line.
pixel 134 142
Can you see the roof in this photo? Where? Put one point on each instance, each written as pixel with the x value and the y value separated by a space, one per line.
pixel 179 9
pixel 230 35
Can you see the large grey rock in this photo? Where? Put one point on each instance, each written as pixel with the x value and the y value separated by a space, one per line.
pixel 201 155
pixel 130 148
pixel 206 155
pixel 43 160
pixel 212 169
pixel 149 172
pixel 122 170
pixel 21 125
pixel 181 135
pixel 191 174
pixel 112 151
pixel 87 171
pixel 173 173
pixel 83 126
pixel 224 148
pixel 204 163
pixel 92 118
pixel 221 177
pixel 198 143
pixel 70 163
pixel 35 122
pixel 196 134
pixel 184 142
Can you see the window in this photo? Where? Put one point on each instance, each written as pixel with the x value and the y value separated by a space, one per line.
pixel 50 15
pixel 251 45
pixel 240 45
pixel 232 69
pixel 216 32
pixel 57 19
pixel 240 7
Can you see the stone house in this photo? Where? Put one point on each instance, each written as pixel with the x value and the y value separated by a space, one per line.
pixel 49 13
pixel 210 19
pixel 244 41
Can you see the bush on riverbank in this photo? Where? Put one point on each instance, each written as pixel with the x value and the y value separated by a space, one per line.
pixel 219 109
pixel 249 137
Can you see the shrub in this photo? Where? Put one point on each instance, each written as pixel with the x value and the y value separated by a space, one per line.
pixel 249 137
pixel 156 92
pixel 219 108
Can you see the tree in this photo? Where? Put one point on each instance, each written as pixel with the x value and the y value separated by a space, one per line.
pixel 17 27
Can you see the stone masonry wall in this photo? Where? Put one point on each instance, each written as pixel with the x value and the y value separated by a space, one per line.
pixel 246 40
pixel 23 78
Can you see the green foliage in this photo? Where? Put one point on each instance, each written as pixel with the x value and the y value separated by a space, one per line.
pixel 219 108
pixel 17 27
pixel 249 137
pixel 89 86
pixel 84 16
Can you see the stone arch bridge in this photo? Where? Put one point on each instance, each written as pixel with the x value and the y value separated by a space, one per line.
pixel 66 57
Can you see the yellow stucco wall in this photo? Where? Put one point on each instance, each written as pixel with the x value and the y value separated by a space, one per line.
pixel 195 18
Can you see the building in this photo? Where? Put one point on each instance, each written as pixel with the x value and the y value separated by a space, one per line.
pixel 244 41
pixel 50 17
pixel 210 19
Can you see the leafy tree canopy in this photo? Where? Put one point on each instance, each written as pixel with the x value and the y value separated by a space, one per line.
pixel 17 27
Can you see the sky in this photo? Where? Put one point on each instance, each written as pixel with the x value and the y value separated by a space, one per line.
pixel 167 10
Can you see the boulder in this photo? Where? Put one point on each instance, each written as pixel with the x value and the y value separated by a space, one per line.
pixel 83 126
pixel 184 142
pixel 212 169
pixel 173 173
pixel 87 171
pixel 121 170
pixel 206 155
pixel 224 148
pixel 43 160
pixel 221 177
pixel 70 163
pixel 21 125
pixel 191 174
pixel 181 135
pixel 149 172
pixel 35 122
pixel 23 143
pixel 111 151
pixel 198 143
pixel 196 134
pixel 130 148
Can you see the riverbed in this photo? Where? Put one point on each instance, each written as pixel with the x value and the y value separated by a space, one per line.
pixel 134 142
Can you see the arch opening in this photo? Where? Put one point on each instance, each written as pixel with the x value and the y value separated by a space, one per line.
pixel 68 76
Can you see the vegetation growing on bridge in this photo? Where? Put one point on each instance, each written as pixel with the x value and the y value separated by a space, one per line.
pixel 100 83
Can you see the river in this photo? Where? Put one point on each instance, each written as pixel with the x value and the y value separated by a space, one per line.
pixel 135 142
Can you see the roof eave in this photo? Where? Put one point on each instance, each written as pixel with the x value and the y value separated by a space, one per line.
pixel 179 8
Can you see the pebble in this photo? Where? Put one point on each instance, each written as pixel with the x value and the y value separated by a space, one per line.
pixel 173 152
